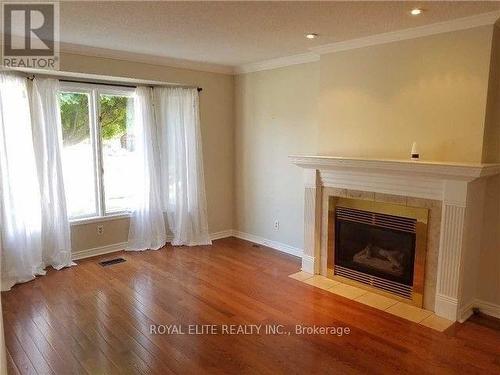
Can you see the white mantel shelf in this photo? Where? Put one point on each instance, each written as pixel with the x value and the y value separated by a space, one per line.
pixel 460 187
pixel 445 170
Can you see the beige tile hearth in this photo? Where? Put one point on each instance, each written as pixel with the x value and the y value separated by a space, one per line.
pixel 392 306
pixel 348 291
pixel 376 300
pixel 408 312
pixel 321 282
pixel 301 276
pixel 436 322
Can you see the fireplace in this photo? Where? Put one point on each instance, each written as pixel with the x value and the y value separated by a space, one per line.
pixel 379 246
pixel 453 196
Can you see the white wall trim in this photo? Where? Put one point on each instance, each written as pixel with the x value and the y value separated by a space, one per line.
pixel 98 219
pixel 77 49
pixel 270 243
pixel 464 23
pixel 87 253
pixel 488 308
pixel 484 307
pixel 466 312
pixel 279 62
pixel 221 234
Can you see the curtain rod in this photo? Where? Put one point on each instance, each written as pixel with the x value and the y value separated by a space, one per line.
pixel 108 84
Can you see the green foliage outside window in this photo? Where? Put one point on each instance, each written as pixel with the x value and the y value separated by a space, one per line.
pixel 75 116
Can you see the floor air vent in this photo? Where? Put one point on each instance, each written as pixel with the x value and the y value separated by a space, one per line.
pixel 110 262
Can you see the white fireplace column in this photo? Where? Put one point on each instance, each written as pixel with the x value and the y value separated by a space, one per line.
pixel 312 221
pixel 459 247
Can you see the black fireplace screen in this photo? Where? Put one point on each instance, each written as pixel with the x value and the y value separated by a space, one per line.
pixel 385 252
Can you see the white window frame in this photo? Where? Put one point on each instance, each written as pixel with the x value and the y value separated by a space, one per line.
pixel 94 90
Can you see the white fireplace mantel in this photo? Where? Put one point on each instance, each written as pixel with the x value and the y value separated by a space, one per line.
pixel 408 167
pixel 459 186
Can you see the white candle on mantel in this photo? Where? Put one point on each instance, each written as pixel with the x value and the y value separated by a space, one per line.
pixel 414 151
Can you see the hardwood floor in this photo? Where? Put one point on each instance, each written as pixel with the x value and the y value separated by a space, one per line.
pixel 96 320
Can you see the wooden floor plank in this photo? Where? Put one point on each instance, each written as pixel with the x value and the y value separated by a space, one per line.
pixel 91 319
pixel 19 358
pixel 11 366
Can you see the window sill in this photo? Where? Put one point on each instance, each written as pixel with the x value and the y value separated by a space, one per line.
pixel 98 219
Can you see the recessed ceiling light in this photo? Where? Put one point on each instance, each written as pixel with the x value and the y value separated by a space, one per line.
pixel 312 36
pixel 416 12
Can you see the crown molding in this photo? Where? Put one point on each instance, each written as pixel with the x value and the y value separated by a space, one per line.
pixel 77 49
pixel 313 55
pixel 279 62
pixel 464 23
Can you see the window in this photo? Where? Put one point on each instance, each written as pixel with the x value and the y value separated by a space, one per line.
pixel 117 146
pixel 97 124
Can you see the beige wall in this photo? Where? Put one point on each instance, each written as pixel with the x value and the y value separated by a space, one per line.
pixel 489 263
pixel 491 149
pixel 276 116
pixel 216 110
pixel 376 101
pixel 488 285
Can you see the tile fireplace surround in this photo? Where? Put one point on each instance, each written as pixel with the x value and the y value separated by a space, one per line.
pixel 456 190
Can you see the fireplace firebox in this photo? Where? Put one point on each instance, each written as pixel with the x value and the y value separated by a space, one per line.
pixel 381 246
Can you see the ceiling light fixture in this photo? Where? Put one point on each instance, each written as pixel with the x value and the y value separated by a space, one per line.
pixel 312 36
pixel 416 12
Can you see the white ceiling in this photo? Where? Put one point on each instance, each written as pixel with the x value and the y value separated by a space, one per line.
pixel 237 33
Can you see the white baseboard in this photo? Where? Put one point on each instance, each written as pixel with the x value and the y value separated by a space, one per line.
pixel 213 236
pixel 485 307
pixel 87 253
pixel 488 308
pixel 270 243
pixel 221 234
pixel 466 311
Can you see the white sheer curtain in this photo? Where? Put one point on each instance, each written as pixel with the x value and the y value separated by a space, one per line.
pixel 46 125
pixel 182 180
pixel 147 225
pixel 34 233
pixel 20 196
